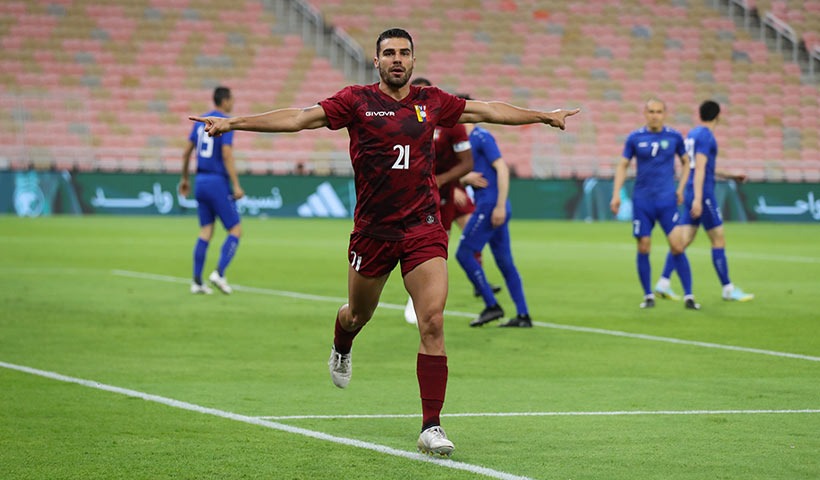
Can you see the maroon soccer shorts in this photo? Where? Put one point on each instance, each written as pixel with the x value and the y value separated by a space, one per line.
pixel 373 257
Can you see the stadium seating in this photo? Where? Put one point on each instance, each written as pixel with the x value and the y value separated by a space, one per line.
pixel 110 86
pixel 89 85
pixel 551 53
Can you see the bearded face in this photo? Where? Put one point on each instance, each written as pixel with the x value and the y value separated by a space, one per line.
pixel 395 62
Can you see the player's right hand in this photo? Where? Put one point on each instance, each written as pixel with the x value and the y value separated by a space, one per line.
pixel 615 205
pixel 214 126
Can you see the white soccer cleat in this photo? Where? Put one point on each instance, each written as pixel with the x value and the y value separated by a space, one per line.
pixel 200 289
pixel 341 368
pixel 220 282
pixel 735 294
pixel 665 291
pixel 433 441
pixel 410 312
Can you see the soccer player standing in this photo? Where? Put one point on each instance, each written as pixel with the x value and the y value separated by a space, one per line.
pixel 490 223
pixel 700 203
pixel 654 197
pixel 216 189
pixel 396 219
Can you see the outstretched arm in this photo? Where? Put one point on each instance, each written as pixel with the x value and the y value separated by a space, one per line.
pixel 738 177
pixel 281 120
pixel 506 114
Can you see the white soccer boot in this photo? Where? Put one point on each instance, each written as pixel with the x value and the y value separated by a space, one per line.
pixel 433 441
pixel 341 368
pixel 200 289
pixel 220 282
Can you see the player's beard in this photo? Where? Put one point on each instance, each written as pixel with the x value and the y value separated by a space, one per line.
pixel 395 82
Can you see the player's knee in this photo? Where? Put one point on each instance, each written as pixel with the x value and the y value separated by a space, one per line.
pixel 431 326
pixel 356 319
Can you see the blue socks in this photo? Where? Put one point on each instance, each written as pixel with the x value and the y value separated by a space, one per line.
pixel 669 266
pixel 200 250
pixel 228 251
pixel 684 272
pixel 718 260
pixel 645 272
pixel 721 267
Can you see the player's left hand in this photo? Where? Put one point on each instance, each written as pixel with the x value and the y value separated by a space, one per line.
pixel 696 210
pixel 459 197
pixel 238 192
pixel 557 118
pixel 498 216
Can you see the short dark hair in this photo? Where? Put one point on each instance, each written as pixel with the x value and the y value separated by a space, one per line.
pixel 392 33
pixel 421 81
pixel 709 110
pixel 221 94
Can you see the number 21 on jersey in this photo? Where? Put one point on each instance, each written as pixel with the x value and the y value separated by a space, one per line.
pixel 403 159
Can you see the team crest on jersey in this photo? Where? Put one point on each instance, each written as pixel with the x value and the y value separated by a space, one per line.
pixel 664 144
pixel 421 113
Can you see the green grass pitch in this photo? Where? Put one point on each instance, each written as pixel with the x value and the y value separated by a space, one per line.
pixel 236 387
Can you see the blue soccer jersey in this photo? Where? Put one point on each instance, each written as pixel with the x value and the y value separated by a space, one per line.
pixel 485 152
pixel 654 153
pixel 212 185
pixel 701 140
pixel 209 149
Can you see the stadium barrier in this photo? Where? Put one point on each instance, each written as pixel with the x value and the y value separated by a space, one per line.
pixel 35 193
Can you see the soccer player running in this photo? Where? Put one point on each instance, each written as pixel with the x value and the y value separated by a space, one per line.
pixel 701 206
pixel 217 188
pixel 654 197
pixel 396 219
pixel 490 223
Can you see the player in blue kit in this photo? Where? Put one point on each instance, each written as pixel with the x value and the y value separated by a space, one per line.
pixel 700 204
pixel 654 197
pixel 217 189
pixel 490 223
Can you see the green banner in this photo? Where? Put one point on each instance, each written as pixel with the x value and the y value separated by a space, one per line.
pixel 35 193
pixel 783 202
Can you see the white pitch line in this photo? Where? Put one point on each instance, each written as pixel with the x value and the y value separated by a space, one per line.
pixel 547 414
pixel 557 326
pixel 447 463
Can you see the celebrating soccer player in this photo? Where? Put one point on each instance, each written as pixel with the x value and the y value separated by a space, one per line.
pixel 396 220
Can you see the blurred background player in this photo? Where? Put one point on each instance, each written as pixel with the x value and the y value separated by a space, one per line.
pixel 701 206
pixel 216 189
pixel 489 222
pixel 453 161
pixel 396 220
pixel 654 197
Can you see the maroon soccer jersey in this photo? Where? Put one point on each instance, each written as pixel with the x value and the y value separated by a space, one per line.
pixel 447 142
pixel 391 148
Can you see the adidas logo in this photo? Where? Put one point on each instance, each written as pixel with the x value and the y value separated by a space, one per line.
pixel 324 203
